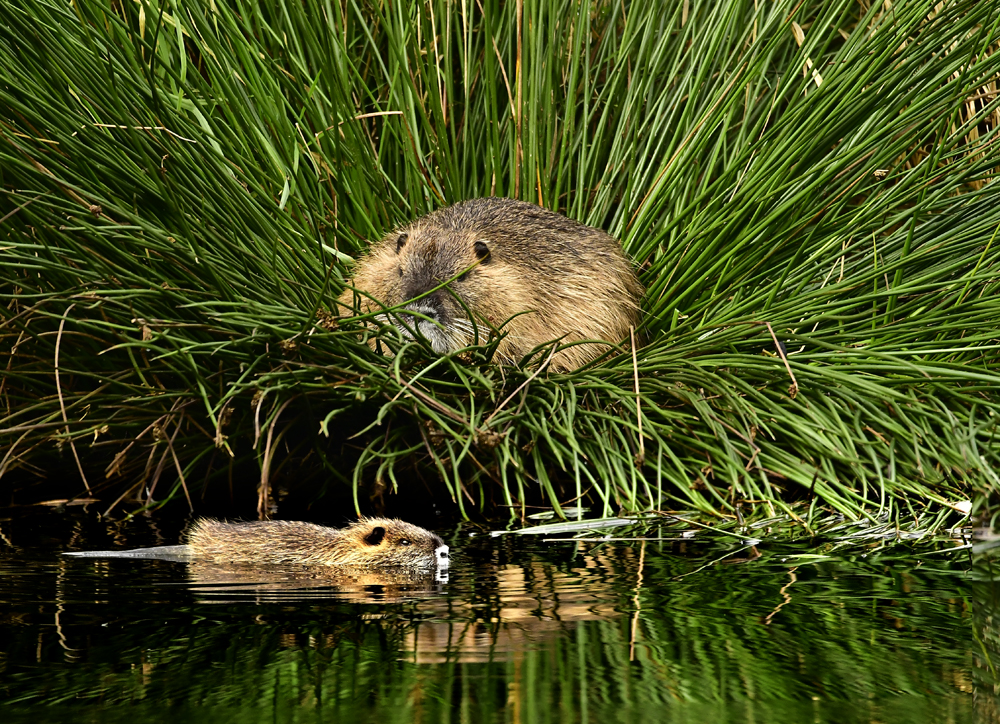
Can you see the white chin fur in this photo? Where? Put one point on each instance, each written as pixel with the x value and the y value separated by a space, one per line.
pixel 443 339
pixel 439 338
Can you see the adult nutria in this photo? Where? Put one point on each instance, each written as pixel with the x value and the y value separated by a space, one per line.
pixel 368 542
pixel 534 273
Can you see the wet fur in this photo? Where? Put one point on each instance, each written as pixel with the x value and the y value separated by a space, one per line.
pixel 277 542
pixel 546 277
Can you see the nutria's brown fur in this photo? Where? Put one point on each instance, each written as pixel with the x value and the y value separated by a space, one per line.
pixel 369 542
pixel 538 274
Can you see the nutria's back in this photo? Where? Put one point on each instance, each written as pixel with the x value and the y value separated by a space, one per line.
pixel 369 542
pixel 538 274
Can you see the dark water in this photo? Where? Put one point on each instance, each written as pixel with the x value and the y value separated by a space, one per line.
pixel 522 631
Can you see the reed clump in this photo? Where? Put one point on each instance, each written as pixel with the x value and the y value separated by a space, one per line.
pixel 808 189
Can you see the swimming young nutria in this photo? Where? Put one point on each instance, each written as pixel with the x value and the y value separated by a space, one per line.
pixel 368 542
pixel 535 273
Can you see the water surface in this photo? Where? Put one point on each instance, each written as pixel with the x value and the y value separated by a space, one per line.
pixel 521 630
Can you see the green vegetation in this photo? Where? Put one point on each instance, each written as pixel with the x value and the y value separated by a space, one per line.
pixel 806 186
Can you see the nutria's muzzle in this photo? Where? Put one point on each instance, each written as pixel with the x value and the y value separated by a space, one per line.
pixel 441 556
pixel 431 323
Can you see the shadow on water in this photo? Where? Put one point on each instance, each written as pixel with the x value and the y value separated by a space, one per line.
pixel 521 631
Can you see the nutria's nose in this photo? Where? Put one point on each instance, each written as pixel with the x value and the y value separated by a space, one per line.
pixel 441 555
pixel 425 309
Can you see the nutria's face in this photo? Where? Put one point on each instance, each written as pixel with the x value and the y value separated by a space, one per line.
pixel 384 542
pixel 426 257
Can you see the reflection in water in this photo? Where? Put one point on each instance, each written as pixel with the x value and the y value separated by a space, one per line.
pixel 512 607
pixel 235 583
pixel 522 631
pixel 985 576
pixel 509 606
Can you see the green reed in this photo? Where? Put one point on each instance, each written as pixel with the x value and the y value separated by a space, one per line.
pixel 807 189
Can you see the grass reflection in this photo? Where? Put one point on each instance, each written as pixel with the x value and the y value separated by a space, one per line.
pixel 522 632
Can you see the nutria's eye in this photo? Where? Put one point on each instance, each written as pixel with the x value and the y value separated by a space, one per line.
pixel 482 251
pixel 376 536
pixel 401 242
pixel 404 542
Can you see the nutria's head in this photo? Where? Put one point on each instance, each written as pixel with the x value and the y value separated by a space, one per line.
pixel 498 263
pixel 386 542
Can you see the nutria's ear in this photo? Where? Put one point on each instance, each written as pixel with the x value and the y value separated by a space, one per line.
pixel 482 251
pixel 376 536
pixel 401 242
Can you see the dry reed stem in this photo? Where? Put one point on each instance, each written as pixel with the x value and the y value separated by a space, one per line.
pixel 638 399
pixel 180 474
pixel 794 389
pixel 521 386
pixel 263 496
pixel 62 402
